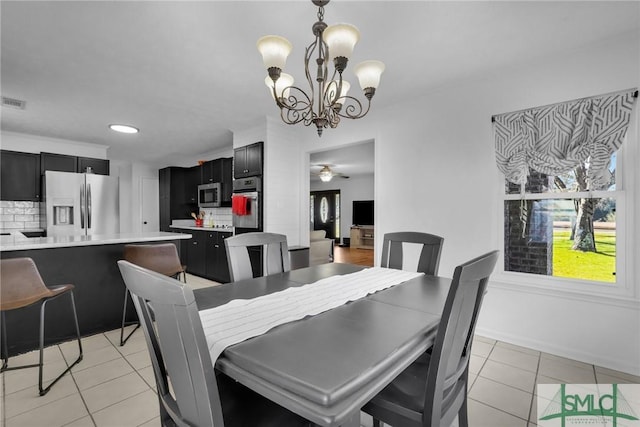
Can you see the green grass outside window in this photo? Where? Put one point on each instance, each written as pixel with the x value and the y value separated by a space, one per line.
pixel 599 266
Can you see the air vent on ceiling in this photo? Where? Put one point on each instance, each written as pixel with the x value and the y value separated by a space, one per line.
pixel 13 103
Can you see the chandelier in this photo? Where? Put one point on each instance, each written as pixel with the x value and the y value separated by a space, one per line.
pixel 327 100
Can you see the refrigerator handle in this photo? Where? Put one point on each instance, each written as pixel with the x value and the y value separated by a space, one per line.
pixel 89 206
pixel 82 206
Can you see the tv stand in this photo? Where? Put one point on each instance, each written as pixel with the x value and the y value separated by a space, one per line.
pixel 362 236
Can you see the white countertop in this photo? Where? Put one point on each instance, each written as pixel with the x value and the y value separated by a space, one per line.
pixel 193 227
pixel 18 242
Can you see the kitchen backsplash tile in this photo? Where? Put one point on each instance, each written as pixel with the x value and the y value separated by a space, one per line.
pixel 221 216
pixel 19 215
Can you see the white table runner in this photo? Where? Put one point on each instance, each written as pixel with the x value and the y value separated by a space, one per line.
pixel 242 319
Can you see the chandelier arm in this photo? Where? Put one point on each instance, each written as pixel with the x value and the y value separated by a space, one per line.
pixel 353 110
pixel 292 102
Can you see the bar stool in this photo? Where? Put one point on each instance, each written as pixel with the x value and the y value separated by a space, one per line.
pixel 22 286
pixel 162 258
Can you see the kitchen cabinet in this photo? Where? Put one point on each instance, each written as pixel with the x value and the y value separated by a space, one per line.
pixel 98 166
pixel 247 160
pixel 57 162
pixel 67 163
pixel 196 253
pixel 217 267
pixel 207 255
pixel 172 197
pixel 20 176
pixel 219 170
pixel 191 181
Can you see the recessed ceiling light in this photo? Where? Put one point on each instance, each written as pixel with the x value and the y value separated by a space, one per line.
pixel 124 128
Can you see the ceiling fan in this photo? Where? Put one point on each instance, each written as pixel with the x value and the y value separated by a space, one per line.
pixel 326 173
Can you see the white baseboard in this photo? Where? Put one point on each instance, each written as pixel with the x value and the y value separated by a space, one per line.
pixel 604 360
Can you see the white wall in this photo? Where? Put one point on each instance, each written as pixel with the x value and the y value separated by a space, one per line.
pixel 435 171
pixel 37 144
pixel 355 188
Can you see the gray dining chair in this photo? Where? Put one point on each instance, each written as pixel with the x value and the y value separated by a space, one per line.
pixel 199 395
pixel 275 254
pixel 392 253
pixel 433 389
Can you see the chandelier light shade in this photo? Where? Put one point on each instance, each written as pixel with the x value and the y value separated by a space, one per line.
pixel 341 39
pixel 274 50
pixel 326 101
pixel 369 73
pixel 283 85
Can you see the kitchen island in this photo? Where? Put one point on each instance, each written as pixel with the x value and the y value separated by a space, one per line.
pixel 89 263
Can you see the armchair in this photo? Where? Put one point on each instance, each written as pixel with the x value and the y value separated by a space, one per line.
pixel 320 248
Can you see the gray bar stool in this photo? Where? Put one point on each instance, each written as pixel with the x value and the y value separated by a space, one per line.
pixel 162 258
pixel 21 287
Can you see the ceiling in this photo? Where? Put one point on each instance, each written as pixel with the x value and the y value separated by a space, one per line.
pixel 352 161
pixel 188 73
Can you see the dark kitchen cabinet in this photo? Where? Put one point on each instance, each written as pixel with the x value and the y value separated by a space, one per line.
pixel 67 163
pixel 207 256
pixel 98 166
pixel 209 173
pixel 217 267
pixel 220 170
pixel 19 176
pixel 57 162
pixel 173 203
pixel 247 160
pixel 191 181
pixel 196 253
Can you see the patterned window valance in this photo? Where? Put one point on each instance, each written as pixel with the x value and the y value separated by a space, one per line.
pixel 555 139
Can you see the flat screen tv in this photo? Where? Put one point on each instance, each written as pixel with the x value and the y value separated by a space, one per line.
pixel 362 213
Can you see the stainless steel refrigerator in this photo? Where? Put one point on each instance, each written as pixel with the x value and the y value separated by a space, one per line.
pixel 81 204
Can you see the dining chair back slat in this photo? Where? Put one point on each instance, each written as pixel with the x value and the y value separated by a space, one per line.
pixel 275 255
pixel 429 259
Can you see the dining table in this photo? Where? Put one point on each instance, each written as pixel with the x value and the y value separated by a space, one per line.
pixel 327 366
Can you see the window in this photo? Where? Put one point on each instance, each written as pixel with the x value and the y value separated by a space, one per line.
pixel 554 226
pixel 563 205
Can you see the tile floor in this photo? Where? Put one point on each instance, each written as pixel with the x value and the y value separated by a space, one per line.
pixel 114 386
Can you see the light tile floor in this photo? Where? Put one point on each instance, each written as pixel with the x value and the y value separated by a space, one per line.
pixel 114 386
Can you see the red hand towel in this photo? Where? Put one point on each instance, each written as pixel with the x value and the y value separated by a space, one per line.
pixel 239 205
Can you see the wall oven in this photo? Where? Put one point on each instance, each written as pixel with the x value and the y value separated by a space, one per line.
pixel 245 203
pixel 209 195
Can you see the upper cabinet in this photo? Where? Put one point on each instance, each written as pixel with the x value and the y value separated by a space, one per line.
pixel 219 170
pixel 65 163
pixel 20 176
pixel 97 166
pixel 21 172
pixel 57 162
pixel 192 178
pixel 247 160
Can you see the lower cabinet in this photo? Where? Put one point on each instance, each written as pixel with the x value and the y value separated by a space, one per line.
pixel 207 255
pixel 196 258
pixel 217 267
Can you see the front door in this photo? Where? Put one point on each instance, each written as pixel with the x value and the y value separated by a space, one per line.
pixel 326 212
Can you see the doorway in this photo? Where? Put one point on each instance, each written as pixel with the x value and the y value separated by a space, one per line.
pixel 325 212
pixel 352 173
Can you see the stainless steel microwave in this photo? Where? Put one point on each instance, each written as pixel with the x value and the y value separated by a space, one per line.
pixel 209 195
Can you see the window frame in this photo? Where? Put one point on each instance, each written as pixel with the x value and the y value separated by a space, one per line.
pixel 623 194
